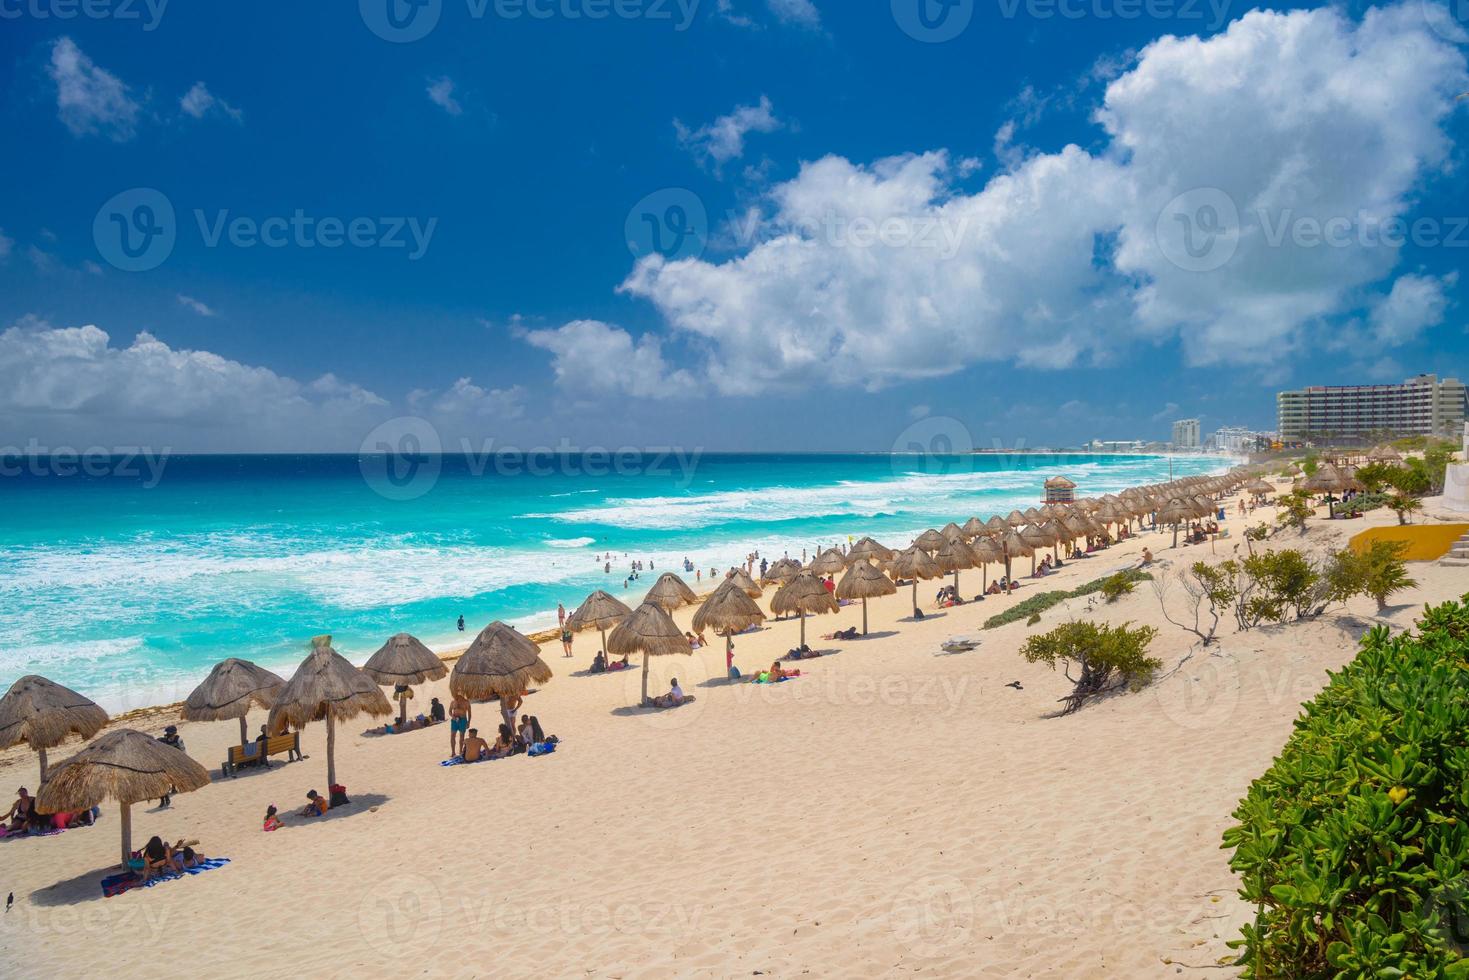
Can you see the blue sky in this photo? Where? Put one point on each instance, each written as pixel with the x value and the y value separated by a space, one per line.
pixel 1083 225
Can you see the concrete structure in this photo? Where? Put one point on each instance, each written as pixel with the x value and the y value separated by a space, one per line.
pixel 1116 445
pixel 1238 439
pixel 1186 434
pixel 1421 406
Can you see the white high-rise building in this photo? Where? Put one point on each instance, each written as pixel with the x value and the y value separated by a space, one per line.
pixel 1186 434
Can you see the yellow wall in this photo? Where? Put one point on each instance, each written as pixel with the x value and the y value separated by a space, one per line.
pixel 1426 542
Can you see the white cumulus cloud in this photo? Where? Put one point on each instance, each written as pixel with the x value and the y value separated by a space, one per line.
pixel 199 102
pixel 602 359
pixel 441 93
pixel 90 99
pixel 724 139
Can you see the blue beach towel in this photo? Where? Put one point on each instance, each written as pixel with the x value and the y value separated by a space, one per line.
pixel 119 883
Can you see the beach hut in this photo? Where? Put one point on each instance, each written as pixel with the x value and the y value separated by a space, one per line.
pixel 801 595
pixel 746 584
pixel 1175 512
pixel 670 592
pixel 502 662
pixel 985 550
pixel 1384 454
pixel 599 611
pixel 864 581
pixel 42 713
pixel 402 662
pixel 1038 538
pixel 729 610
pixel 955 556
pixel 651 632
pixel 123 765
pixel 1060 490
pixel 326 686
pixel 869 550
pixel 1259 488
pixel 232 688
pixel 915 564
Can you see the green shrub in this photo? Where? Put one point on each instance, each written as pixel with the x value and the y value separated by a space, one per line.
pixel 1354 846
pixel 1034 618
pixel 1362 503
pixel 1114 587
pixel 1412 479
pixel 1104 658
pixel 1273 586
pixel 1379 571
pixel 1296 508
pixel 1040 602
pixel 1403 505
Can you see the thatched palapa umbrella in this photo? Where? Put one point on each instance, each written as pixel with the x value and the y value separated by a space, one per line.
pixel 404 660
pixel 729 610
pixel 1259 487
pixel 930 541
pixel 746 584
pixel 1013 546
pixel 803 594
pixel 783 571
pixel 42 714
pixel 1038 538
pixel 869 550
pixel 973 528
pixel 864 581
pixel 915 563
pixel 232 688
pixel 599 611
pixel 986 550
pixel 670 592
pixel 126 766
pixel 1175 512
pixel 502 662
pixel 955 556
pixel 829 562
pixel 651 632
pixel 1384 454
pixel 326 686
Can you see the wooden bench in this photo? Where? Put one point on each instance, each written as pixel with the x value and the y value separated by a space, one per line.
pixel 243 755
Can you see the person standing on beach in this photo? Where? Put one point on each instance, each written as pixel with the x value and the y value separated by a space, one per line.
pixel 565 639
pixel 508 707
pixel 561 615
pixel 461 624
pixel 461 712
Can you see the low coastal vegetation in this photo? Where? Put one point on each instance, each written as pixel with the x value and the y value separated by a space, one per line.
pixel 1112 588
pixel 1095 657
pixel 1353 847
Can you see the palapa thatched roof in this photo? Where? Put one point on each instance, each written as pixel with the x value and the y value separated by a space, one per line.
pixel 915 563
pixel 829 562
pixel 997 525
pixel 1059 483
pixel 1014 544
pixel 599 611
pixel 404 660
pixel 953 532
pixel 783 570
pixel 671 592
pixel 1176 511
pixel 1015 518
pixel 1384 454
pixel 1037 536
pixel 929 541
pixel 803 594
pixel 747 585
pixel 232 688
pixel 869 550
pixel 123 765
pixel 1259 486
pixel 864 581
pixel 41 713
pixel 955 556
pixel 326 683
pixel 649 631
pixel 986 550
pixel 728 610
pixel 973 527
pixel 501 662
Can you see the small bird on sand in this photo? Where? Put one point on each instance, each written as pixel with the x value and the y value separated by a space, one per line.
pixel 1016 685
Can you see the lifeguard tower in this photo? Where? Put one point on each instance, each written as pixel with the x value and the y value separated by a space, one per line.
pixel 1060 490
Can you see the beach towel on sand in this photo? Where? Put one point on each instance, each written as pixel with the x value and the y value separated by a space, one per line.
pixel 119 883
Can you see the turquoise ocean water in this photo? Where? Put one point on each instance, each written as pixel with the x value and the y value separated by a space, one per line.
pixel 129 585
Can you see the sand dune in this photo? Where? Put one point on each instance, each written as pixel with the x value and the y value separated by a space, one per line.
pixel 896 810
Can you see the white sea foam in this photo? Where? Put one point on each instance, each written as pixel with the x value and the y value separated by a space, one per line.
pixel 569 542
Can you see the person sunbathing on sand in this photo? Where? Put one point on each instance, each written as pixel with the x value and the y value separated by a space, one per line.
pixel 777 673
pixel 504 745
pixel 619 664
pixel 475 748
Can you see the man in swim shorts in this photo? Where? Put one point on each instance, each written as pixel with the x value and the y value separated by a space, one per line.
pixel 475 748
pixel 460 714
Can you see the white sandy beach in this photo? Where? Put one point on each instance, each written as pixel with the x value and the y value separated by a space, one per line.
pixel 895 810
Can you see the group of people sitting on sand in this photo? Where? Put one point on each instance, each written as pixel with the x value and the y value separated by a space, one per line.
pixel 24 817
pixel 508 741
pixel 1003 585
pixel 601 666
pixel 1200 533
pixel 158 858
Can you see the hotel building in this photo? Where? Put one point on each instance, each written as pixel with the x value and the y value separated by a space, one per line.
pixel 1420 406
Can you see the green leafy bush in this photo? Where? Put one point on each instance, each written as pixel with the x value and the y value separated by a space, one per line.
pixel 1040 602
pixel 1363 502
pixel 1354 846
pixel 1103 658
pixel 1114 587
pixel 1379 571
pixel 1274 586
pixel 1296 508
pixel 1403 505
